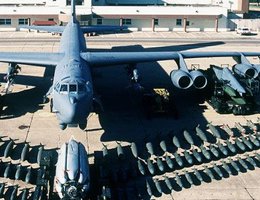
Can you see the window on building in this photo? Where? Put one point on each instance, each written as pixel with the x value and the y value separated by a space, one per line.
pixel 78 2
pixel 5 21
pixel 50 19
pixel 178 22
pixel 156 22
pixel 187 23
pixel 127 21
pixel 99 21
pixel 23 21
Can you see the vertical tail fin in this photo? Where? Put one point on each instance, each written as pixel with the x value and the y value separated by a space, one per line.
pixel 73 8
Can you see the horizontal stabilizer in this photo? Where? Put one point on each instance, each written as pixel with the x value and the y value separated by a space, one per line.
pixel 98 29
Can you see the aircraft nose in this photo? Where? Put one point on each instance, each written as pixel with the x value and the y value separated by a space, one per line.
pixel 73 100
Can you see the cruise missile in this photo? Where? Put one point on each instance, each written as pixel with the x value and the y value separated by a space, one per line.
pixel 37 194
pixel 28 175
pixel 188 157
pixel 25 194
pixel 168 183
pixel 178 180
pixel 205 152
pixel 9 148
pixel 240 128
pixel 158 185
pixel 217 170
pixel 201 134
pixel 196 155
pixel 39 154
pixel 160 164
pixel 169 161
pixel 246 142
pixel 24 152
pixel 234 165
pixel 214 151
pixel 242 162
pixel 228 130
pixel 72 171
pixel 7 170
pixel 254 140
pixel 13 195
pixel 198 175
pixel 119 150
pixel 2 188
pixel 148 188
pixel 176 142
pixel 134 149
pixel 18 172
pixel 240 144
pixel 257 156
pixel 141 167
pixel 188 137
pixel 231 147
pixel 163 145
pixel 226 167
pixel 149 148
pixel 251 161
pixel 222 149
pixel 150 166
pixel 208 172
pixel 214 130
pixel 251 125
pixel 188 177
pixel 104 151
pixel 178 159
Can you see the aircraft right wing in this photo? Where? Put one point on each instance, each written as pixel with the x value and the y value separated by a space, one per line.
pixel 101 28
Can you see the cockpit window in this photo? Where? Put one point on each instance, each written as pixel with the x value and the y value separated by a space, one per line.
pixel 81 88
pixel 73 87
pixel 64 88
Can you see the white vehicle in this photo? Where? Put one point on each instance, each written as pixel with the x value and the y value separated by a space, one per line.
pixel 243 31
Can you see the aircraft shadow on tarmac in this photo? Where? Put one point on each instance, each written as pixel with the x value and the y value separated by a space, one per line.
pixel 123 117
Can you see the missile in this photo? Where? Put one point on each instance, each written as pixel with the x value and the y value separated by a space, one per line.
pixel 246 142
pixel 169 162
pixel 24 152
pixel 251 161
pixel 119 150
pixel 39 154
pixel 251 125
pixel 168 183
pixel 188 177
pixel 198 175
pixel 148 188
pixel 222 149
pixel 178 180
pixel 208 172
pixel 240 144
pixel 234 165
pixel 7 170
pixel 2 188
pixel 196 155
pixel 231 146
pixel 188 157
pixel 242 162
pixel 214 130
pixel 205 152
pixel 140 167
pixel 163 145
pixel 149 147
pixel 201 134
pixel 134 149
pixel 188 137
pixel 158 186
pixel 25 194
pixel 37 195
pixel 28 175
pixel 176 142
pixel 159 164
pixel 228 130
pixel 150 166
pixel 18 172
pixel 217 170
pixel 240 128
pixel 257 155
pixel 226 167
pixel 257 135
pixel 9 148
pixel 178 159
pixel 14 193
pixel 214 151
pixel 254 140
pixel 104 151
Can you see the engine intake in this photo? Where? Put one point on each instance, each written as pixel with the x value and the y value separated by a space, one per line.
pixel 181 79
pixel 199 80
pixel 244 70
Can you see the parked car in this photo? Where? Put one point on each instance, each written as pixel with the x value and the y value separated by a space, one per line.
pixel 243 31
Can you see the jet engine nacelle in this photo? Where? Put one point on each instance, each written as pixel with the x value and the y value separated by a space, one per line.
pixel 181 79
pixel 199 80
pixel 257 68
pixel 244 70
pixel 72 171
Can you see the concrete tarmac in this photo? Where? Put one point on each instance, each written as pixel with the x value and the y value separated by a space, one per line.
pixel 26 119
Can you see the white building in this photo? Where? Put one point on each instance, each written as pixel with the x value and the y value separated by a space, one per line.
pixel 145 15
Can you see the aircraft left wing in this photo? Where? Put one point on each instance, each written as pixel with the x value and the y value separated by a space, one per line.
pixel 31 58
pixel 117 58
pixel 50 29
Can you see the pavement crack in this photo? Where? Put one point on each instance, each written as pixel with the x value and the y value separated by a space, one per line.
pixel 29 127
pixel 249 194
